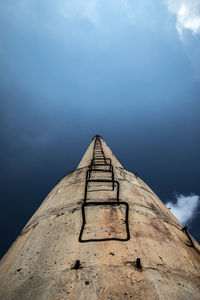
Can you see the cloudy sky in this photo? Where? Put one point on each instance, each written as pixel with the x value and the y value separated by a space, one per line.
pixel 128 70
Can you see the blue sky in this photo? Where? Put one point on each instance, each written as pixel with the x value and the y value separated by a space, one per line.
pixel 127 70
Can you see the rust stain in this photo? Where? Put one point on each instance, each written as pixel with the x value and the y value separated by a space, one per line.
pixel 161 230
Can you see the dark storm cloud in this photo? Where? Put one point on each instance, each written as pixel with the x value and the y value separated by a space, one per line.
pixel 69 72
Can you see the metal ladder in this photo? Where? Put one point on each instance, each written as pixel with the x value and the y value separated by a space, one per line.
pixel 100 165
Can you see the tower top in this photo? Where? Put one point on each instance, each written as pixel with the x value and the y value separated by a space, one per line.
pixel 97 136
pixel 86 159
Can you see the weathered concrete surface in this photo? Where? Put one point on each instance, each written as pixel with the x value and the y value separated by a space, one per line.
pixel 48 262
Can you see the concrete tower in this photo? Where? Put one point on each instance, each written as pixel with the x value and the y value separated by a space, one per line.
pixel 101 233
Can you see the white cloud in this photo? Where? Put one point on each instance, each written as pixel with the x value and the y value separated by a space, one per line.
pixel 187 15
pixel 185 207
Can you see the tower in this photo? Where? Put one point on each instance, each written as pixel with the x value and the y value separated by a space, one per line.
pixel 101 233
